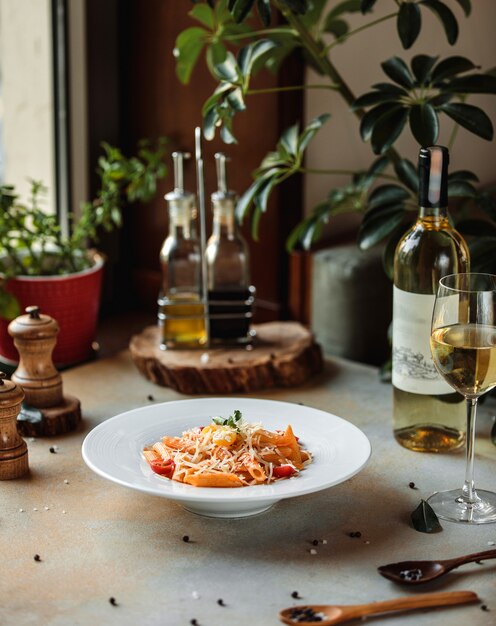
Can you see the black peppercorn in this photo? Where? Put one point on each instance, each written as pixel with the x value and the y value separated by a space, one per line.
pixel 186 538
pixel 295 595
pixel 315 542
pixel 37 557
pixel 412 485
pixel 52 450
pixel 484 607
pixel 150 398
pixel 220 602
pixel 113 601
pixel 193 622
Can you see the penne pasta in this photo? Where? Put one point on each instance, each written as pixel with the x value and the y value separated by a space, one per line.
pixel 228 453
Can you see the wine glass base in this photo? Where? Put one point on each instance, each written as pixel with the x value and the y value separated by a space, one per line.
pixel 449 505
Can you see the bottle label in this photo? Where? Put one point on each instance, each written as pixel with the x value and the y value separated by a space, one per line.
pixel 413 369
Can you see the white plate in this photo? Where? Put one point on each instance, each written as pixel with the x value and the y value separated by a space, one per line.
pixel 114 450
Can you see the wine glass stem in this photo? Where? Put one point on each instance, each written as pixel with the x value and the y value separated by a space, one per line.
pixel 469 495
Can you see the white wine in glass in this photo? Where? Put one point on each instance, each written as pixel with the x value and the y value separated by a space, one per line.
pixel 463 346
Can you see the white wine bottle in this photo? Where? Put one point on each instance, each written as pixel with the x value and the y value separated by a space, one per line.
pixel 427 415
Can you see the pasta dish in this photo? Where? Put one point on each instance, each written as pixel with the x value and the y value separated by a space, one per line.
pixel 228 453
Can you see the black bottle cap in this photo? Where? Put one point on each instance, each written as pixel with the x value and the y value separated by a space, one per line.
pixel 433 177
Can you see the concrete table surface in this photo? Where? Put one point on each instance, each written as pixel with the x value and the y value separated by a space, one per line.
pixel 99 540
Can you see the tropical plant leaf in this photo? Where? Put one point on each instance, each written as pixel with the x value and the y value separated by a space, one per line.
pixel 367 5
pixel 462 175
pixel 387 129
pixel 265 11
pixel 408 23
pixel 476 83
pixel 407 174
pixel 451 66
pixel 424 124
pixel 374 97
pixel 370 119
pixel 461 189
pixel 189 45
pixel 466 6
pixel 424 519
pixel 422 65
pixel 398 71
pixel 204 14
pixel 240 9
pixel 251 53
pixel 387 194
pixel 470 117
pixel 297 6
pixel 447 17
pixel 374 229
pixel 310 131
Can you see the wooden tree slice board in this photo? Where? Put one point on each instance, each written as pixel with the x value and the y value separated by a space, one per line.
pixel 55 420
pixel 284 354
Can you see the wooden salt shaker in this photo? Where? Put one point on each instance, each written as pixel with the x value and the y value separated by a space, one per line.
pixel 13 449
pixel 46 412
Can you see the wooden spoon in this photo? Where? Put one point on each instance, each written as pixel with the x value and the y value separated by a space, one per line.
pixel 416 572
pixel 328 614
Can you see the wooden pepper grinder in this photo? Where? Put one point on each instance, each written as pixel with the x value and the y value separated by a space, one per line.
pixel 45 412
pixel 13 449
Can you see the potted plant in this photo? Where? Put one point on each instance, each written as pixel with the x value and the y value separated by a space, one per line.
pixel 63 274
pixel 241 37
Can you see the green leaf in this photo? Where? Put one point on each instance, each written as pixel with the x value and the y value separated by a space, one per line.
pixel 374 97
pixel 375 228
pixel 9 306
pixel 387 194
pixel 408 23
pixel 391 88
pixel 447 17
pixel 227 70
pixel 466 6
pixel 297 6
pixel 370 119
pixel 204 14
pixel 462 175
pixel 387 129
pixel 347 6
pixel 367 5
pixel 216 54
pixel 398 71
pixel 338 28
pixel 311 130
pixel 424 519
pixel 251 53
pixel 461 189
pixel 262 196
pixel 289 140
pixel 407 173
pixel 424 124
pixel 422 65
pixel 236 100
pixel 189 45
pixel 477 83
pixel 377 166
pixel 240 9
pixel 265 11
pixel 470 117
pixel 450 67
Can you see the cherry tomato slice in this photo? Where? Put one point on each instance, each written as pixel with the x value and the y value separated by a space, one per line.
pixel 283 471
pixel 164 468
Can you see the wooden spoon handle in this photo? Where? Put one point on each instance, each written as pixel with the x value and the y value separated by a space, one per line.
pixel 470 558
pixel 418 602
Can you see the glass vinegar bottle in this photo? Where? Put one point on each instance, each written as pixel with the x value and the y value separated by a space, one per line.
pixel 181 314
pixel 427 415
pixel 229 293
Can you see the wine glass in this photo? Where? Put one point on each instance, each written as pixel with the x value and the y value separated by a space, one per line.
pixel 463 346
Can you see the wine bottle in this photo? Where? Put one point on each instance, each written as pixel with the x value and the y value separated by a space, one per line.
pixel 427 415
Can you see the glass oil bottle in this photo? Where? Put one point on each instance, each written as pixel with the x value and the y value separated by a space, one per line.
pixel 181 310
pixel 230 296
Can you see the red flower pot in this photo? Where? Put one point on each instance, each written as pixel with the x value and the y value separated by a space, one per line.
pixel 73 300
